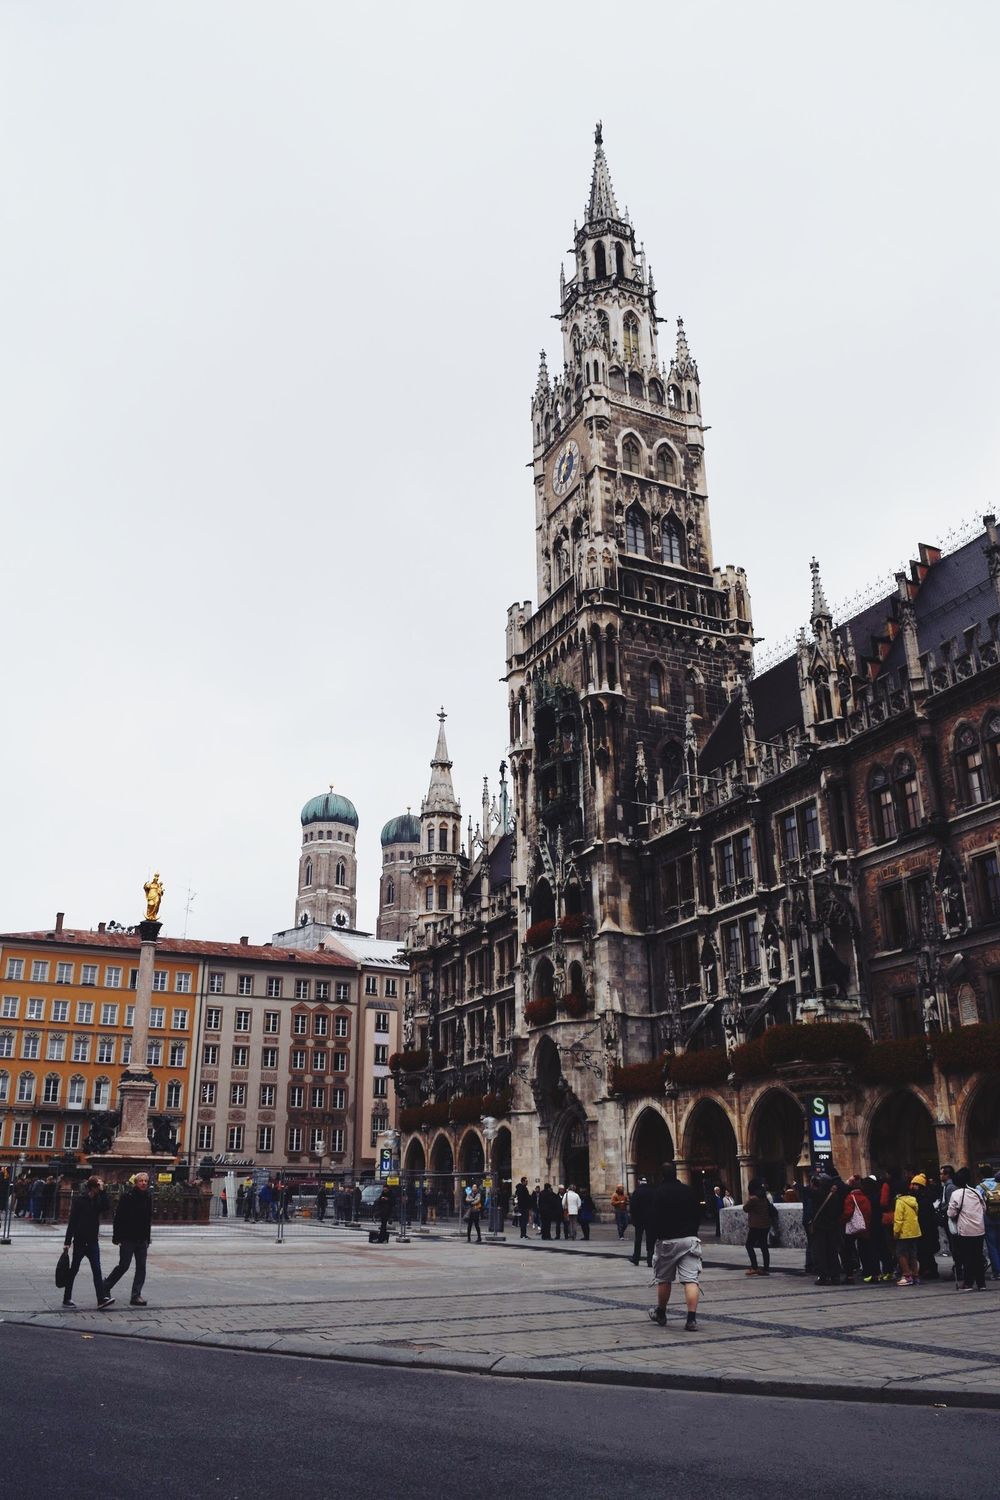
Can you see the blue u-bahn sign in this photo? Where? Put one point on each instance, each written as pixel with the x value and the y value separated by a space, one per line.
pixel 820 1144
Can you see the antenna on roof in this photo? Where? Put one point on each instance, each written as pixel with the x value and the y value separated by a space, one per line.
pixel 192 897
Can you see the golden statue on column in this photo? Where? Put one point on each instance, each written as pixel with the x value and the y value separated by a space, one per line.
pixel 154 895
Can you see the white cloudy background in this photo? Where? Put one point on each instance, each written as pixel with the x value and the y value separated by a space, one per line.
pixel 273 282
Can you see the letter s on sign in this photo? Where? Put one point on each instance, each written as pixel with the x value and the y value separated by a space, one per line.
pixel 819 1106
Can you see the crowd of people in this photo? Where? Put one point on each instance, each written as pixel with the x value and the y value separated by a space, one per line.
pixel 887 1227
pixel 35 1198
pixel 554 1213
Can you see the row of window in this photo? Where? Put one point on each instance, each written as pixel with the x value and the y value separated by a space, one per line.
pixel 80 1048
pixel 673 540
pixel 315 1139
pixel 340 875
pixel 664 460
pixel 268 1096
pixel 303 989
pixel 269 1059
pixel 328 833
pixel 113 973
pixel 45 1135
pixel 76 1091
pixel 442 898
pixel 908 906
pixel 243 1022
pixel 34 1010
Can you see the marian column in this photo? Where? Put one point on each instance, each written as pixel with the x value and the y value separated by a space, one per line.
pixel 131 1147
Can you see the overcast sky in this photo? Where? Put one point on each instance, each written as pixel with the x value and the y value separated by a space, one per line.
pixel 273 282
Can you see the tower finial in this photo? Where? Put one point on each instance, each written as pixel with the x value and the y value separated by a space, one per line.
pixel 820 608
pixel 602 195
pixel 683 366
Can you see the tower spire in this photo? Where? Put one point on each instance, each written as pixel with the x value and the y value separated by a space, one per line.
pixel 820 608
pixel 440 793
pixel 602 195
pixel 684 365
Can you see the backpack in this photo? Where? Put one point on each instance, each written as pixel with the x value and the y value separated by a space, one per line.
pixel 991 1197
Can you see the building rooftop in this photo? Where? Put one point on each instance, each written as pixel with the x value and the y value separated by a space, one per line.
pixel 333 953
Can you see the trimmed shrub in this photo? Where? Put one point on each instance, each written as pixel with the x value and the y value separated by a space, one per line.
pixel 748 1060
pixel 540 933
pixel 639 1080
pixel 540 1012
pixel 904 1061
pixel 574 1005
pixel 414 1060
pixel 572 925
pixel 691 1069
pixel 823 1041
pixel 970 1049
pixel 414 1116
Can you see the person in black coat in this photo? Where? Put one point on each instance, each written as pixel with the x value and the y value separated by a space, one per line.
pixel 549 1210
pixel 523 1201
pixel 321 1204
pixel 82 1232
pixel 381 1212
pixel 639 1205
pixel 131 1231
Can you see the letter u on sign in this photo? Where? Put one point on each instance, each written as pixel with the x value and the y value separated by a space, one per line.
pixel 820 1131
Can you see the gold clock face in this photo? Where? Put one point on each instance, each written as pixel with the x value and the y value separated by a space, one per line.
pixel 567 469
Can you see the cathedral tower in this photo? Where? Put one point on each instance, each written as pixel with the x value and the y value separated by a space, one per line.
pixel 328 863
pixel 397 901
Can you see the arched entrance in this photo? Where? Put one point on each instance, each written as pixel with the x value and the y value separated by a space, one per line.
pixel 777 1131
pixel 471 1160
pixel 651 1146
pixel 901 1136
pixel 415 1160
pixel 575 1154
pixel 711 1150
pixel 441 1193
pixel 983 1132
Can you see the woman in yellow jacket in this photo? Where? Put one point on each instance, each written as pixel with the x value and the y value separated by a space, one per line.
pixel 906 1232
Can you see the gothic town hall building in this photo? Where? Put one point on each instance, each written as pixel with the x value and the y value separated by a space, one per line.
pixel 702 896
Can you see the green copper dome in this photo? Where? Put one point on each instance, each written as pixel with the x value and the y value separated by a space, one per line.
pixel 402 830
pixel 329 807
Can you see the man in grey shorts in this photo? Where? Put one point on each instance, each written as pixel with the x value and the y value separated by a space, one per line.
pixel 675 1214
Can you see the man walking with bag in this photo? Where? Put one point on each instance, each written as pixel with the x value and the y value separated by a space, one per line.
pixel 83 1232
pixel 132 1231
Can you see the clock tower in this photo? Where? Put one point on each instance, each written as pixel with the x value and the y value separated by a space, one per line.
pixel 638 639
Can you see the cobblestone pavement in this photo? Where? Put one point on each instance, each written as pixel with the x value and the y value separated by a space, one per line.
pixel 574 1311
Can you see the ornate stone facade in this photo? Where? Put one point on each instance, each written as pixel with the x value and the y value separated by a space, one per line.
pixel 704 862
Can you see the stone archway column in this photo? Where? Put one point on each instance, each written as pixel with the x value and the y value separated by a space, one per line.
pixel 744 1161
pixel 683 1169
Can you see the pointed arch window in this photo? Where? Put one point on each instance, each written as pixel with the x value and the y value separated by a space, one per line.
pixel 821 694
pixel 430 839
pixel 616 379
pixel 443 838
pixel 390 892
pixel 631 456
pixel 674 396
pixel 341 878
pixel 664 461
pixel 600 261
pixel 672 542
pixel 973 786
pixel 655 687
pixel 308 877
pixel 630 335
pixel 635 531
pixel 656 393
pixel 883 806
pixel 907 793
pixel 619 258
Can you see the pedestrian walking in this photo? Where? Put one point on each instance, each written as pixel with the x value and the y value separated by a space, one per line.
pixel 561 1227
pixel 945 1191
pixel 321 1203
pixel 906 1233
pixel 83 1234
pixel 967 1218
pixel 639 1207
pixel 49 1201
pixel 131 1231
pixel 572 1203
pixel 675 1217
pixel 619 1207
pixel 758 1212
pixel 989 1191
pixel 37 1199
pixel 473 1210
pixel 522 1201
pixel 717 1204
pixel 241 1198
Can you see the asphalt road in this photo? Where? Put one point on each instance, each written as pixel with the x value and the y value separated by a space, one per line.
pixel 101 1418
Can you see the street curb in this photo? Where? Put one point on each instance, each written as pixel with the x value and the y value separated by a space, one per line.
pixel 516 1367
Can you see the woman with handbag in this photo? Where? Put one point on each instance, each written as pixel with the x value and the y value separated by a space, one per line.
pixel 857 1216
pixel 967 1218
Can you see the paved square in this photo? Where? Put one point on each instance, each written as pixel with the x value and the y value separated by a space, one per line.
pixel 576 1311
